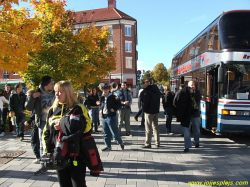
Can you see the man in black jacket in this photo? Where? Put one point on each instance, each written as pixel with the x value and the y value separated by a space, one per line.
pixel 151 106
pixel 182 102
pixel 110 103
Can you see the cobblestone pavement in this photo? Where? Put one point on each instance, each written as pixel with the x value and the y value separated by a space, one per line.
pixel 220 160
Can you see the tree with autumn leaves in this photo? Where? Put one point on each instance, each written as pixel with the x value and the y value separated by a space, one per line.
pixel 80 57
pixel 161 74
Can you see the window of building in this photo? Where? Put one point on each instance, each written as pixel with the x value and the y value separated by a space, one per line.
pixel 15 73
pixel 111 44
pixel 111 33
pixel 5 74
pixel 128 46
pixel 127 30
pixel 129 62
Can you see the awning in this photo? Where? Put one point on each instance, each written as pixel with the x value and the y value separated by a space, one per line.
pixel 2 84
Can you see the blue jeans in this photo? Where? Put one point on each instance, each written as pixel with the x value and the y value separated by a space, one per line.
pixel 196 122
pixel 110 129
pixel 20 118
pixel 169 117
pixel 40 133
pixel 95 117
pixel 187 138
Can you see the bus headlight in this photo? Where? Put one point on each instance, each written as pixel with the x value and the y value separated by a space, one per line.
pixel 232 112
pixel 236 112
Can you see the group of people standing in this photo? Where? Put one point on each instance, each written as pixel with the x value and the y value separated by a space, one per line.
pixel 12 108
pixel 59 117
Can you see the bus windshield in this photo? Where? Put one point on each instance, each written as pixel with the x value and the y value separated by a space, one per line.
pixel 234 30
pixel 237 81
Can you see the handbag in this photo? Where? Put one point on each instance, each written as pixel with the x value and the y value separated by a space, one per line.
pixel 57 160
pixel 51 163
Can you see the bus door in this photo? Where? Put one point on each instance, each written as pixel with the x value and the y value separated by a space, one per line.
pixel 212 99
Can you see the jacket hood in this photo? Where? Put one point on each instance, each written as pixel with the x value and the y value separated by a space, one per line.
pixel 153 88
pixel 43 91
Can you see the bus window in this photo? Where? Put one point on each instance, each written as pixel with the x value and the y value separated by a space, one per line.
pixel 237 81
pixel 200 44
pixel 201 84
pixel 234 30
pixel 209 77
pixel 213 43
pixel 190 51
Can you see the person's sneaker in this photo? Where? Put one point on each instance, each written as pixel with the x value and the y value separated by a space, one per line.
pixel 122 146
pixel 186 149
pixel 40 171
pixel 170 133
pixel 106 149
pixel 136 118
pixel 37 161
pixel 13 132
pixel 197 145
pixel 146 146
pixel 21 138
pixel 2 134
pixel 127 134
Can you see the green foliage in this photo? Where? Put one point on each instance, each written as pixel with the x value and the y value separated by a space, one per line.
pixel 160 74
pixel 82 58
pixel 146 75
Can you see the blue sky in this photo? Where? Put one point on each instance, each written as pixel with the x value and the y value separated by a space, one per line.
pixel 165 26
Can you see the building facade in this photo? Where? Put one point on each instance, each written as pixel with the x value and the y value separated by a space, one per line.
pixel 123 37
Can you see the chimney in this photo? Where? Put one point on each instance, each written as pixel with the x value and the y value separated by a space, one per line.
pixel 112 4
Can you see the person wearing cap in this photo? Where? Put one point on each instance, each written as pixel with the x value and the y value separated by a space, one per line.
pixel 109 106
pixel 41 101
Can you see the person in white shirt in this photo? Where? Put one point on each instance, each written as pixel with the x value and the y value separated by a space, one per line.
pixel 2 100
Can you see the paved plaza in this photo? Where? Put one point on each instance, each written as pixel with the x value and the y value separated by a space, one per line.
pixel 220 161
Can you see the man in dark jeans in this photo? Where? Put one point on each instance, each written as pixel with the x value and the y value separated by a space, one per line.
pixel 41 101
pixel 35 144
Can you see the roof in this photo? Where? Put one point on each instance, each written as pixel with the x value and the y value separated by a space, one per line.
pixel 103 14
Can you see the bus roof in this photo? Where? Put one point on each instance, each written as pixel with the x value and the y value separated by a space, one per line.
pixel 204 30
pixel 211 24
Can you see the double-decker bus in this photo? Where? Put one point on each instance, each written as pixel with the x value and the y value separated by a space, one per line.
pixel 218 60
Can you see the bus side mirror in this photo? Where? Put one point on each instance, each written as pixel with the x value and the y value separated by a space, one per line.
pixel 221 73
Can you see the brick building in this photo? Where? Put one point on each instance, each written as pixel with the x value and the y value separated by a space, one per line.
pixel 123 37
pixel 10 78
pixel 123 30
